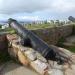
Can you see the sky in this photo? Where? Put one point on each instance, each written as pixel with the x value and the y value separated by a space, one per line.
pixel 36 9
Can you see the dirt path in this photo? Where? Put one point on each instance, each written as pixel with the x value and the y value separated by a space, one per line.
pixel 12 68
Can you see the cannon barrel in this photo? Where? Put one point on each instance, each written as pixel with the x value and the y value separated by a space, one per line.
pixel 35 42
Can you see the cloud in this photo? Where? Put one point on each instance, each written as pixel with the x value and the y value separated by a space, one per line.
pixel 36 9
pixel 15 6
pixel 31 18
pixel 64 5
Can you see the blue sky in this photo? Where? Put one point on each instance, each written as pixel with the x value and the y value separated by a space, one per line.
pixel 36 9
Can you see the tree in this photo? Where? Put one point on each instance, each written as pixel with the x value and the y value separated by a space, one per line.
pixel 52 22
pixel 0 26
pixel 45 21
pixel 71 18
pixel 57 22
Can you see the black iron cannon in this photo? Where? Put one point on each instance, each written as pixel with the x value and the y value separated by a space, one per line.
pixel 32 40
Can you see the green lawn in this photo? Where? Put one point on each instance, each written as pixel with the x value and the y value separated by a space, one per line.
pixel 38 26
pixel 8 30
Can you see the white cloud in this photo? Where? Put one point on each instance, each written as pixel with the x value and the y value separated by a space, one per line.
pixel 63 5
pixel 31 18
pixel 33 9
pixel 15 6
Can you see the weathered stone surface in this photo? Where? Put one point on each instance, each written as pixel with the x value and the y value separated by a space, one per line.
pixel 63 50
pixel 3 43
pixel 12 37
pixel 40 66
pixel 4 56
pixel 12 52
pixel 56 72
pixel 70 71
pixel 53 67
pixel 31 55
pixel 54 34
pixel 71 39
pixel 67 52
pixel 40 57
pixel 73 58
pixel 65 66
pixel 68 44
pixel 22 58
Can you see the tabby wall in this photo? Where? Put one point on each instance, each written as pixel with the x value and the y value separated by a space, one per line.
pixel 52 35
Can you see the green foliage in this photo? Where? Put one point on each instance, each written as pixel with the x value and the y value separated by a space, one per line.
pixel 45 22
pixel 72 49
pixel 60 42
pixel 8 30
pixel 38 26
pixel 4 57
pixel 73 30
pixel 0 26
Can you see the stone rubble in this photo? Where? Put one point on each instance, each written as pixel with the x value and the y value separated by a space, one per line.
pixel 29 57
pixel 56 72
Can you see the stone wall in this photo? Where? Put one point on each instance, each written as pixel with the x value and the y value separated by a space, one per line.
pixel 52 35
pixel 4 56
pixel 3 43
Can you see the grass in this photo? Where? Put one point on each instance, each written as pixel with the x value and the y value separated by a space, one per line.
pixel 60 44
pixel 30 27
pixel 72 49
pixel 38 26
pixel 8 30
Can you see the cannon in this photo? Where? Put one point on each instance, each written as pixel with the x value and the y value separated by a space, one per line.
pixel 33 41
